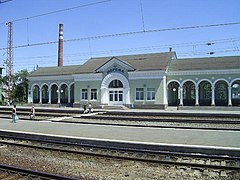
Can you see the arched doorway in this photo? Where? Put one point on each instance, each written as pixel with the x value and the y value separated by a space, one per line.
pixel 205 93
pixel 64 94
pixel 36 94
pixel 221 93
pixel 115 90
pixel 189 95
pixel 173 94
pixel 45 94
pixel 54 94
pixel 236 93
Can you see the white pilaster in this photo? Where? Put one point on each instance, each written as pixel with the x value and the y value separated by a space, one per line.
pixel 165 91
pixel 58 96
pixel 213 96
pixel 40 100
pixel 197 96
pixel 69 94
pixel 181 96
pixel 49 95
pixel 229 96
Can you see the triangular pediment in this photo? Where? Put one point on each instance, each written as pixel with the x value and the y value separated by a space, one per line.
pixel 113 61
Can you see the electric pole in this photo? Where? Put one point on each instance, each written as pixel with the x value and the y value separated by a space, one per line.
pixel 9 62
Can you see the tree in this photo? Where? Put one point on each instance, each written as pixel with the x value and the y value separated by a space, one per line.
pixel 21 82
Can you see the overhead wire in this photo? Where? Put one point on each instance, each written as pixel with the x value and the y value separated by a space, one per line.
pixel 179 54
pixel 126 34
pixel 175 45
pixel 58 11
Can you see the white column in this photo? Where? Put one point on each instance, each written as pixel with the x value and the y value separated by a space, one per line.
pixel 229 96
pixel 104 98
pixel 69 94
pixel 213 96
pixel 164 90
pixel 30 96
pixel 197 96
pixel 181 96
pixel 40 89
pixel 49 95
pixel 58 91
pixel 127 91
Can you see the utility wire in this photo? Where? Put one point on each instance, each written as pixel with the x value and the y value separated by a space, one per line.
pixel 58 11
pixel 179 53
pixel 128 34
pixel 176 45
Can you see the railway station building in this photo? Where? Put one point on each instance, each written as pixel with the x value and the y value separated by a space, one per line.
pixel 140 81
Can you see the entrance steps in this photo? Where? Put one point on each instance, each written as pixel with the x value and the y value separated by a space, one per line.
pixel 171 108
pixel 114 107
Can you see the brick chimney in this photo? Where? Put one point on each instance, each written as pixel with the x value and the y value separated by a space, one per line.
pixel 60 46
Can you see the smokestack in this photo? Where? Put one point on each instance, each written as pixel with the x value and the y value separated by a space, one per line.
pixel 60 46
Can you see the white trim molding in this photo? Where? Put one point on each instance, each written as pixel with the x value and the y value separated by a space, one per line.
pixel 46 78
pixel 203 72
pixel 146 75
pixel 88 77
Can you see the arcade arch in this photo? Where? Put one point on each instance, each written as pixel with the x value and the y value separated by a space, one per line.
pixel 173 93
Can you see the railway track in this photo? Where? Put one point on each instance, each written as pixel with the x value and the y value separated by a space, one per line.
pixel 15 173
pixel 167 118
pixel 154 121
pixel 224 166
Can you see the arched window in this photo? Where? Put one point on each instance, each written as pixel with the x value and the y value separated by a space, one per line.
pixel 36 94
pixel 115 84
pixel 236 93
pixel 45 94
pixel 189 93
pixel 173 94
pixel 221 93
pixel 205 93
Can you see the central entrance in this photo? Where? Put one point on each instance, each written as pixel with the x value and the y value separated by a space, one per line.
pixel 115 89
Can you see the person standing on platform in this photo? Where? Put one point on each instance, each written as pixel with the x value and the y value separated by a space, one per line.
pixel 90 110
pixel 32 113
pixel 85 109
pixel 14 114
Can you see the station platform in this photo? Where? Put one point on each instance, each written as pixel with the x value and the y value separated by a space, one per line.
pixel 160 139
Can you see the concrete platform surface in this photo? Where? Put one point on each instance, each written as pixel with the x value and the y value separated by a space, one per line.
pixel 175 137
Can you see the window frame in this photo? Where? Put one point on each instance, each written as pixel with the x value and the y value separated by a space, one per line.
pixel 151 94
pixel 139 93
pixel 84 94
pixel 93 93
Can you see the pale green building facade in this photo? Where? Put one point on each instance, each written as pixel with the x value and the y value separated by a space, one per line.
pixel 140 81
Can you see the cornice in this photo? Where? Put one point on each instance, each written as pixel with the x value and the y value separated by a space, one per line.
pixel 146 75
pixel 204 72
pixel 88 77
pixel 48 78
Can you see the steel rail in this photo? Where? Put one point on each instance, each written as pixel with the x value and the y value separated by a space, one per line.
pixel 135 155
pixel 149 126
pixel 28 172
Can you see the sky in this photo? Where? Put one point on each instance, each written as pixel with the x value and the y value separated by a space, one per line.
pixel 94 18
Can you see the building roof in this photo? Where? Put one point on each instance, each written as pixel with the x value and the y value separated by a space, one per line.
pixel 55 71
pixel 146 62
pixel 141 62
pixel 209 63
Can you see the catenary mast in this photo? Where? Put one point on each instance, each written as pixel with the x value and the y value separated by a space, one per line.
pixel 9 61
